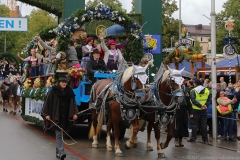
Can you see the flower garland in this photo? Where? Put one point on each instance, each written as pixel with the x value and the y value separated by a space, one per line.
pixel 66 28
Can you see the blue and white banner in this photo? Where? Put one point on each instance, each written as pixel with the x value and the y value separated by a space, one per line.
pixel 13 24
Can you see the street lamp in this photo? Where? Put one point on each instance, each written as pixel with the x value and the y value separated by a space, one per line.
pixel 207 18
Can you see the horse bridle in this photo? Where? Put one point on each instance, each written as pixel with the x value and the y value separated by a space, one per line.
pixel 129 98
pixel 173 94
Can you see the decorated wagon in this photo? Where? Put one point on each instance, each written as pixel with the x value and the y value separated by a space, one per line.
pixel 101 17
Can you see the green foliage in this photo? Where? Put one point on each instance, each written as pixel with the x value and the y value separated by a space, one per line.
pixel 178 58
pixel 4 10
pixel 34 120
pixel 115 4
pixel 40 20
pixel 55 7
pixel 133 9
pixel 46 35
pixel 26 92
pixel 230 9
pixel 169 24
pixel 196 49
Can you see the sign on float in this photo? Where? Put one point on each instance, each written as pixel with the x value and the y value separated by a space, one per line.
pixel 13 24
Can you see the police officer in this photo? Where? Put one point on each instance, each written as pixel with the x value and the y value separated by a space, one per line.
pixel 200 98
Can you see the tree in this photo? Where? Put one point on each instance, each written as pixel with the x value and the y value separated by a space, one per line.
pixel 169 24
pixel 4 10
pixel 133 9
pixel 115 4
pixel 230 9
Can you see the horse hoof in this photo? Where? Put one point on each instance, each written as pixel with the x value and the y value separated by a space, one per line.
pixel 118 154
pixel 135 145
pixel 126 147
pixel 94 145
pixel 161 155
pixel 109 149
pixel 162 145
pixel 149 149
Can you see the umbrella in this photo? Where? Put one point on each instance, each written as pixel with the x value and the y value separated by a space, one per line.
pixel 113 30
pixel 187 74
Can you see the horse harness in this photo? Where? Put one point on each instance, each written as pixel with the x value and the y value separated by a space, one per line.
pixel 163 113
pixel 128 101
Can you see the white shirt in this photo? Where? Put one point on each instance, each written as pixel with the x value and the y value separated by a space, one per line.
pixel 18 91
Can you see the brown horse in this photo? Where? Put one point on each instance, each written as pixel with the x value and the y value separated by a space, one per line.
pixel 166 94
pixel 110 96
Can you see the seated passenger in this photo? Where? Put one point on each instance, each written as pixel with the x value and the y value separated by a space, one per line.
pixel 95 63
pixel 87 51
pixel 112 56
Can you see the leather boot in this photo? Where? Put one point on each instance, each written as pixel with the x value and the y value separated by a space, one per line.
pixel 180 143
pixel 176 142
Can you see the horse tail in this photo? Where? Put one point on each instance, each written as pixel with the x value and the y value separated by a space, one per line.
pixel 100 123
pixel 92 131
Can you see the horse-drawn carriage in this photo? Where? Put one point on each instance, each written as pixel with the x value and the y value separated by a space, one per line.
pixel 123 96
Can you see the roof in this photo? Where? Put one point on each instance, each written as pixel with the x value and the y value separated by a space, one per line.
pixel 187 65
pixel 225 62
pixel 196 30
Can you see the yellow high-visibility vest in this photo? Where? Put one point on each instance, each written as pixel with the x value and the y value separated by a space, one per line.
pixel 201 98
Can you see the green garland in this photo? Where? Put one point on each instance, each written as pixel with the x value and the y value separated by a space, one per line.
pixel 46 35
pixel 33 120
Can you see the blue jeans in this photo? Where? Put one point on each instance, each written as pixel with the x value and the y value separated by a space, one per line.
pixel 45 67
pixel 59 142
pixel 220 125
pixel 228 125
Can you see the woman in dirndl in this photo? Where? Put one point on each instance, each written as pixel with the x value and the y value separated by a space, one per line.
pixel 112 56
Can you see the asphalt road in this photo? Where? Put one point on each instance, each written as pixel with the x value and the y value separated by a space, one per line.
pixel 21 140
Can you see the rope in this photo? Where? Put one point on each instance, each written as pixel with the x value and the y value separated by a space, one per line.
pixel 226 118
pixel 69 144
pixel 74 142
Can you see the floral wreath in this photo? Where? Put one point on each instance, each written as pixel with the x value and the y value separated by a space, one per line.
pixel 66 28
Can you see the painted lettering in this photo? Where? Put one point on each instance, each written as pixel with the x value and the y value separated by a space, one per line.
pixel 1 23
pixel 10 23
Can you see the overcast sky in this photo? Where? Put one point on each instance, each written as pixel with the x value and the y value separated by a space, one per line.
pixel 192 10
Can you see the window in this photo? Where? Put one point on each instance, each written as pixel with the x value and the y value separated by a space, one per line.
pixel 201 39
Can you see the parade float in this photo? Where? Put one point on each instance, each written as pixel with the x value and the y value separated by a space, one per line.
pixel 186 49
pixel 95 20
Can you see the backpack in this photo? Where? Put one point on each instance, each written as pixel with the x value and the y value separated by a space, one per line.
pixel 79 52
